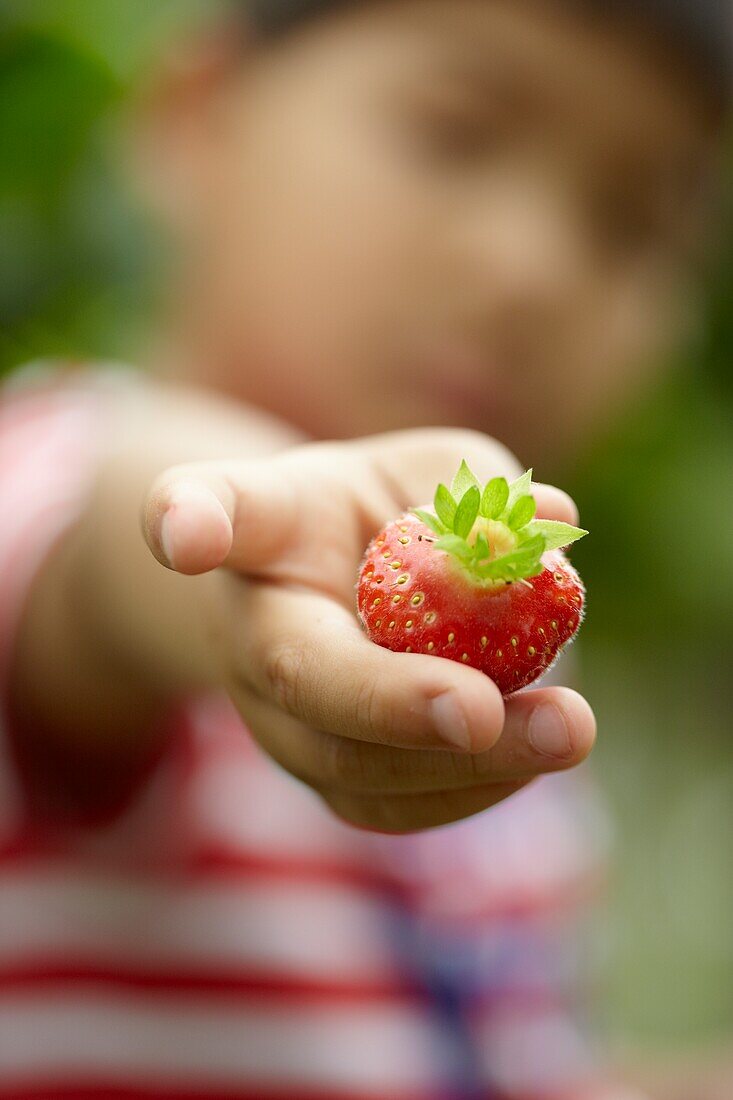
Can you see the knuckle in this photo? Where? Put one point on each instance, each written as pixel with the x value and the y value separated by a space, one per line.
pixel 284 668
pixel 342 764
pixel 472 439
pixel 368 709
pixel 481 451
pixel 284 740
pixel 490 454
pixel 449 442
pixel 473 768
pixel 505 461
pixel 360 767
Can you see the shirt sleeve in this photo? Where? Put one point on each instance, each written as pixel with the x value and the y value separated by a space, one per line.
pixel 48 442
pixel 48 439
pixel 53 429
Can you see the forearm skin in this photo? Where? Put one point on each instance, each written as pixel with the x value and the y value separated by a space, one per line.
pixel 108 635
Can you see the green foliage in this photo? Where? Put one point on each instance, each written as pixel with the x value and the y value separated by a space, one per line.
pixel 520 564
pixel 555 534
pixel 656 664
pixel 522 512
pixel 445 506
pixel 482 550
pixel 519 488
pixel 77 263
pixel 455 545
pixel 430 521
pixel 463 481
pixel 466 512
pixel 50 97
pixel 495 497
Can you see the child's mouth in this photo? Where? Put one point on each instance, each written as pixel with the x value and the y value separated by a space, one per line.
pixel 461 382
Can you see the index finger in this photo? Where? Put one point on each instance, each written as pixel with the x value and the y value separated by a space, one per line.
pixel 554 503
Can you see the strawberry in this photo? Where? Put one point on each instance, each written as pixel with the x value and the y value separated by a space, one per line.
pixel 480 581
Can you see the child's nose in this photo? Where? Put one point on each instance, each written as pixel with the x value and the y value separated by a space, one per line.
pixel 524 244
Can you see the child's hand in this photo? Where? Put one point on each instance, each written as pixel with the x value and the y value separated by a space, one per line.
pixel 393 741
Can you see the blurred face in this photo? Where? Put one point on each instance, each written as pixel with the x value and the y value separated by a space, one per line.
pixel 443 212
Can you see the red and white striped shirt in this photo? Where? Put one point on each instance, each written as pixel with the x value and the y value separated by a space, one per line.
pixel 222 934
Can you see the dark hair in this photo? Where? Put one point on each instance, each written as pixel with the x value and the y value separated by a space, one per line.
pixel 701 30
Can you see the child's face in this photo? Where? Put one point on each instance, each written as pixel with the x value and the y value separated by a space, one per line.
pixel 443 212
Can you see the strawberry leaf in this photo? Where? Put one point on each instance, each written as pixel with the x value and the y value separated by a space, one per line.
pixel 493 501
pixel 556 534
pixel 445 506
pixel 519 488
pixel 534 545
pixel 481 547
pixel 522 562
pixel 511 572
pixel 464 480
pixel 455 545
pixel 508 521
pixel 430 521
pixel 522 512
pixel 467 511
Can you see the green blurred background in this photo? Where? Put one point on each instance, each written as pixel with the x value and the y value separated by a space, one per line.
pixel 77 277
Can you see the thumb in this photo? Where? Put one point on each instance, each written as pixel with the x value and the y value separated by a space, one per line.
pixel 203 515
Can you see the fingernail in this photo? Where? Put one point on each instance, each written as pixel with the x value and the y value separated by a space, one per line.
pixel 166 538
pixel 548 732
pixel 450 721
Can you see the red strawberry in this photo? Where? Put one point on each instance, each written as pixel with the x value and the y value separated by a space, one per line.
pixel 480 581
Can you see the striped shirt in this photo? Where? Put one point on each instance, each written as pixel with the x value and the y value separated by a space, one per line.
pixel 222 934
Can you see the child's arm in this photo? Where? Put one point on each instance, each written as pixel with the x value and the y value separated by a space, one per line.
pixel 109 636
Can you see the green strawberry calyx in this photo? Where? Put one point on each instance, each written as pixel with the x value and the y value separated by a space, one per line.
pixel 491 529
